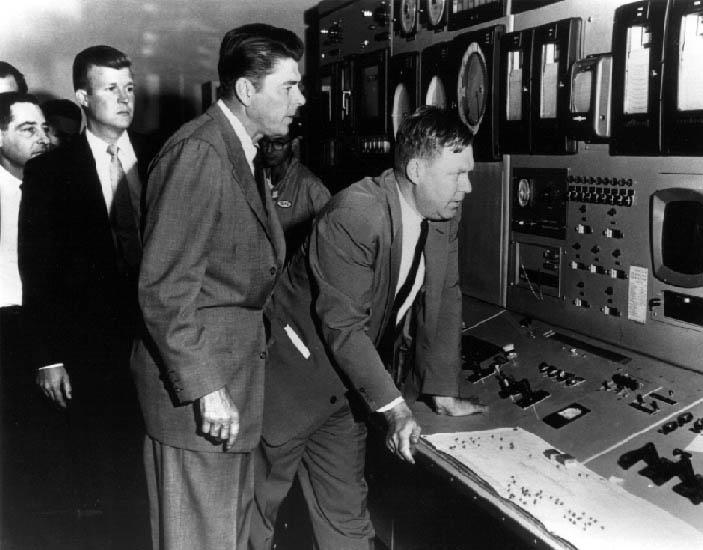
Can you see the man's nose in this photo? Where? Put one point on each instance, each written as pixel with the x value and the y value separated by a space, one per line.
pixel 465 184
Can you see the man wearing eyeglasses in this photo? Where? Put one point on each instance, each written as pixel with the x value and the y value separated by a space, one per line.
pixel 298 194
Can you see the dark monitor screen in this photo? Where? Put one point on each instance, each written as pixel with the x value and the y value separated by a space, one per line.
pixel 677 236
pixel 682 237
pixel 370 84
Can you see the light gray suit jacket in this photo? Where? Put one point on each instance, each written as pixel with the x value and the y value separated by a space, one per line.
pixel 212 254
pixel 338 299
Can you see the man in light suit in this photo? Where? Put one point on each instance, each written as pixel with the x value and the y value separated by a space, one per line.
pixel 213 251
pixel 79 254
pixel 377 247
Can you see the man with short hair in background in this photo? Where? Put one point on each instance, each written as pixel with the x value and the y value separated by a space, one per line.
pixel 11 80
pixel 23 135
pixel 79 252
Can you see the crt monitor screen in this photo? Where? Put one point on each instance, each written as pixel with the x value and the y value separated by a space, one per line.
pixel 682 237
pixel 677 236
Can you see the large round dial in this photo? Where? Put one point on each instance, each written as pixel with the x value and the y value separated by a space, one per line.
pixel 401 106
pixel 524 192
pixel 472 87
pixel 436 95
pixel 435 11
pixel 408 16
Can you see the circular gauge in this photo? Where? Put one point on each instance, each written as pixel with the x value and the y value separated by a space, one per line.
pixel 435 11
pixel 524 192
pixel 472 87
pixel 401 106
pixel 408 16
pixel 435 93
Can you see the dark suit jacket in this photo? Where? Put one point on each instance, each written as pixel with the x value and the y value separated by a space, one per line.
pixel 79 286
pixel 212 254
pixel 338 300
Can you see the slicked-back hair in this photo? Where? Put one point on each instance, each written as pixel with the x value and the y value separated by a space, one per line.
pixel 251 51
pixel 7 100
pixel 96 56
pixel 10 70
pixel 424 133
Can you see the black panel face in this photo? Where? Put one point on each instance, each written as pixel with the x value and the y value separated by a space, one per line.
pixel 520 6
pixel 638 37
pixel 370 92
pixel 555 47
pixel 514 94
pixel 466 13
pixel 402 89
pixel 329 99
pixel 539 201
pixel 682 116
pixel 438 82
pixel 477 89
pixel 682 307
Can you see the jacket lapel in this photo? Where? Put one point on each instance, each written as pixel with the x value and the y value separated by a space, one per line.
pixel 388 183
pixel 241 174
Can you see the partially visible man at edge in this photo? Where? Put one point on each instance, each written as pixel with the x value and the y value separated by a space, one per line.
pixel 213 251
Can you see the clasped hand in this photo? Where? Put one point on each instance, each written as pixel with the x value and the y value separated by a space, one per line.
pixel 219 417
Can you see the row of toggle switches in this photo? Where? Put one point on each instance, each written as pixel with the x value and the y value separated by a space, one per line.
pixel 601 195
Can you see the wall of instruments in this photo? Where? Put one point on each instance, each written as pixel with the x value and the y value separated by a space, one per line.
pixel 587 202
pixel 586 216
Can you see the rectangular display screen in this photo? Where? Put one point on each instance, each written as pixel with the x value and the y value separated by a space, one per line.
pixel 637 70
pixel 514 103
pixel 326 98
pixel 550 81
pixel 581 92
pixel 690 85
pixel 682 237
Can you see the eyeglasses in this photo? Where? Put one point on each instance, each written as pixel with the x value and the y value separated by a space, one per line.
pixel 274 144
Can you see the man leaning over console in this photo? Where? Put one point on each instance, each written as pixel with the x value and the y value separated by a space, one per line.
pixel 377 247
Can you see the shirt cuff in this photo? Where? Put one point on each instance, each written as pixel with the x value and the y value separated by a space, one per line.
pixel 396 401
pixel 53 366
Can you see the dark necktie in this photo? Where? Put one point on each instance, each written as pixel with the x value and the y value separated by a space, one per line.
pixel 409 282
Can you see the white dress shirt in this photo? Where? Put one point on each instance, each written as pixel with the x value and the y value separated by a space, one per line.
pixel 125 152
pixel 10 283
pixel 247 144
pixel 410 222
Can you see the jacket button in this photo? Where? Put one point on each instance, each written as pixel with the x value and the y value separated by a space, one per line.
pixel 262 355
pixel 273 270
pixel 362 390
pixel 333 399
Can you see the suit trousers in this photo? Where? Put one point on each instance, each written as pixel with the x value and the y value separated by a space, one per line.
pixel 329 461
pixel 198 500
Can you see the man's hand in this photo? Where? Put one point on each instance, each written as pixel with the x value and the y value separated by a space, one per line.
pixel 56 384
pixel 403 432
pixel 219 417
pixel 457 406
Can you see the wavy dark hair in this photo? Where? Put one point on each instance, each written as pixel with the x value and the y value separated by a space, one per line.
pixel 251 51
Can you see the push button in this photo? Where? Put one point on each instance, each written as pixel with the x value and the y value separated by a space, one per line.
pixel 333 399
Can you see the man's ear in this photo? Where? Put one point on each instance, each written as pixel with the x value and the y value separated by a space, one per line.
pixel 413 170
pixel 82 97
pixel 244 90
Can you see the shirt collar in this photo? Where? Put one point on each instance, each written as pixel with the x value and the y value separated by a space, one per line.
pixel 408 214
pixel 250 149
pixel 99 146
pixel 5 174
